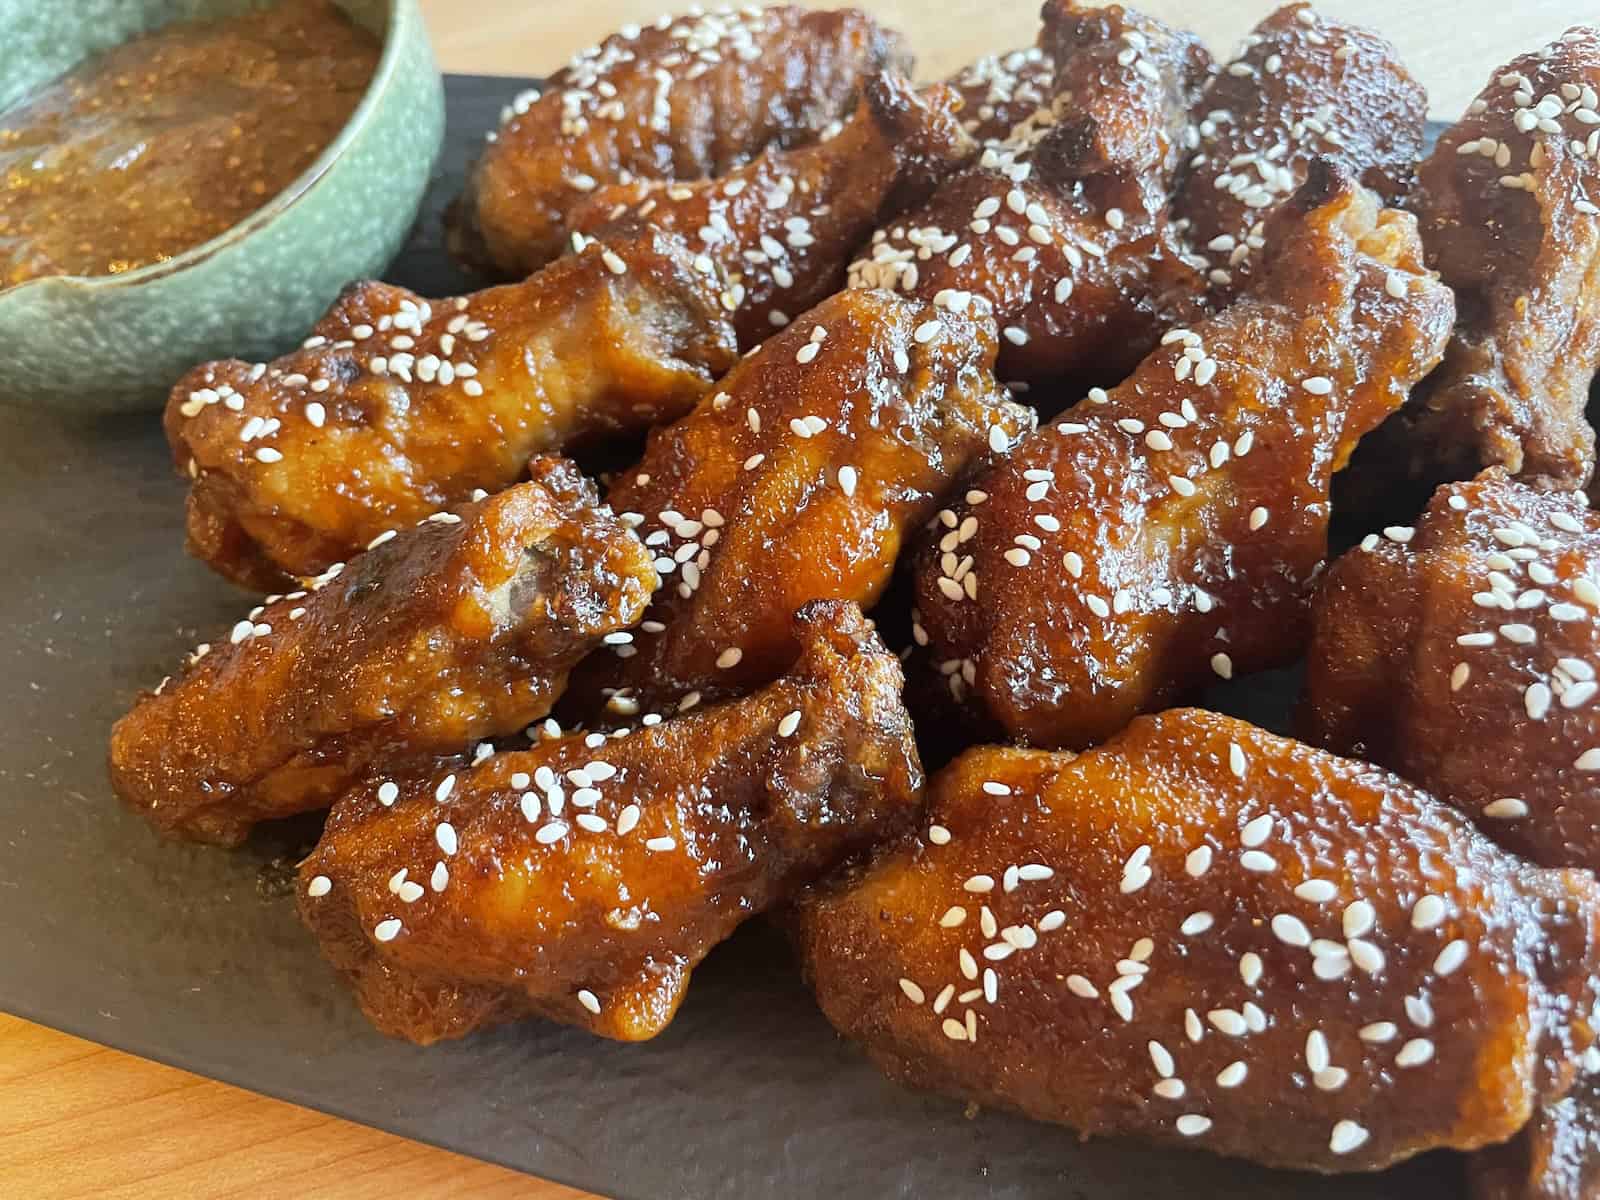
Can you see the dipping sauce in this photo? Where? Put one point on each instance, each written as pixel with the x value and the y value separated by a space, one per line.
pixel 166 141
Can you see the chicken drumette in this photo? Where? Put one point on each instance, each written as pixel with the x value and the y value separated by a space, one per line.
pixel 690 98
pixel 999 91
pixel 1510 209
pixel 397 406
pixel 1169 531
pixel 783 229
pixel 460 628
pixel 582 882
pixel 1304 87
pixel 797 480
pixel 1204 934
pixel 1061 232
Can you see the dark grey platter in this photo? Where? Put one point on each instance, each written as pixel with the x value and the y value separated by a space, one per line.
pixel 195 956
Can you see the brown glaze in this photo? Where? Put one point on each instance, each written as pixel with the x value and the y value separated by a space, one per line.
pixel 688 98
pixel 999 91
pixel 797 480
pixel 584 883
pixel 782 228
pixel 397 406
pixel 168 140
pixel 1169 531
pixel 1557 1157
pixel 461 628
pixel 1196 894
pixel 1508 203
pixel 1305 87
pixel 1500 730
pixel 1060 232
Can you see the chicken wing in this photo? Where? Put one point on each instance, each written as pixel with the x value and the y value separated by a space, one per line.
pixel 1463 654
pixel 688 98
pixel 1169 531
pixel 1061 232
pixel 797 480
pixel 783 228
pixel 1203 934
pixel 999 91
pixel 1304 87
pixel 460 628
pixel 584 884
pixel 1508 204
pixel 396 407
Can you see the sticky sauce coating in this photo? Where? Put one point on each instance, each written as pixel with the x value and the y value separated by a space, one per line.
pixel 170 139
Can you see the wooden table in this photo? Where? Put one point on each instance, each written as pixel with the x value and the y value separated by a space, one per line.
pixel 78 1120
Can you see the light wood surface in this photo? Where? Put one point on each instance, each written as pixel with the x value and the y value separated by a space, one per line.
pixel 78 1120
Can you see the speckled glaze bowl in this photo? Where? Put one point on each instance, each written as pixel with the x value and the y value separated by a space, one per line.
pixel 81 344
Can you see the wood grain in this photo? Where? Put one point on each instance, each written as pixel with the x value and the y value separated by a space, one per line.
pixel 78 1120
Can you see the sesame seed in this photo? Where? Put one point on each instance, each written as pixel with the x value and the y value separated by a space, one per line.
pixel 320 885
pixel 1317 385
pixel 1506 809
pixel 729 658
pixel 1257 830
pixel 387 931
pixel 550 832
pixel 1258 518
pixel 1226 1020
pixel 1414 1053
pixel 938 835
pixel 1291 930
pixel 1317 891
pixel 1255 860
pixel 1427 913
pixel 1451 957
pixel 912 992
pixel 1193 1124
pixel 1250 968
pixel 1198 861
pixel 953 916
pixel 440 879
pixel 1222 665
pixel 446 786
pixel 445 835
pixel 1316 1051
pixel 1197 923
pixel 1346 1137
pixel 660 843
pixel 1232 1075
pixel 388 793
pixel 926 331
pixel 1359 918
pixel 1536 701
pixel 979 884
pixel 1379 1032
pixel 589 1000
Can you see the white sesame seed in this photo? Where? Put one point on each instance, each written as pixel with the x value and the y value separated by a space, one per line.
pixel 1317 891
pixel 1428 912
pixel 446 786
pixel 1232 1075
pixel 387 931
pixel 729 658
pixel 1193 1124
pixel 979 884
pixel 550 832
pixel 1451 957
pixel 1256 831
pixel 1414 1053
pixel 1346 1137
pixel 1198 861
pixel 320 885
pixel 1316 1051
pixel 1379 1032
pixel 1226 1020
pixel 445 835
pixel 1291 930
pixel 1196 923
pixel 388 793
pixel 1258 517
pixel 1317 385
pixel 1508 808
pixel 1222 665
pixel 1250 968
pixel 1419 1012
pixel 1536 701
pixel 1255 860
pixel 938 835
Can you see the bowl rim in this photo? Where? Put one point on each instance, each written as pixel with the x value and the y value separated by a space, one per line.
pixel 401 13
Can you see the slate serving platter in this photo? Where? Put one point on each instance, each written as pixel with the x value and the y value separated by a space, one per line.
pixel 195 957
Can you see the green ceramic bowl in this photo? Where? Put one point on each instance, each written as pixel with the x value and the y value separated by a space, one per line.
pixel 82 344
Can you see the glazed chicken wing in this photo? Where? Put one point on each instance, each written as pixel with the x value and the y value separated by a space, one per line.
pixel 1508 204
pixel 797 480
pixel 1304 87
pixel 783 228
pixel 583 884
pixel 1169 531
pixel 1463 655
pixel 688 98
pixel 460 628
pixel 1557 1157
pixel 1061 232
pixel 1204 934
pixel 999 91
pixel 398 406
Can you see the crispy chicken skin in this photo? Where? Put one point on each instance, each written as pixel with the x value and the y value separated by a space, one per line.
pixel 688 98
pixel 1168 532
pixel 397 406
pixel 797 480
pixel 1061 232
pixel 1204 934
pixel 458 629
pixel 584 884
pixel 998 91
pixel 1508 209
pixel 1305 86
pixel 1463 654
pixel 783 228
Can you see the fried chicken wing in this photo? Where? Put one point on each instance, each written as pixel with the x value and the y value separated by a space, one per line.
pixel 1061 232
pixel 1463 655
pixel 797 480
pixel 783 228
pixel 1508 205
pixel 1203 934
pixel 999 91
pixel 1169 531
pixel 460 628
pixel 397 406
pixel 1304 87
pixel 584 884
pixel 688 98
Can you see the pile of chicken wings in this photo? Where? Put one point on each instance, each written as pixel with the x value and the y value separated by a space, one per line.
pixel 982 423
